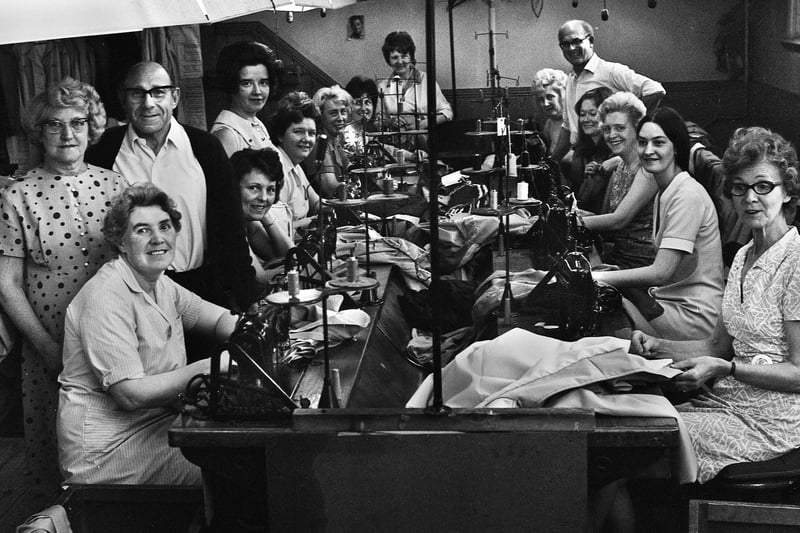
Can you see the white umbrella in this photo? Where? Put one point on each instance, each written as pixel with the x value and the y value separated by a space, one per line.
pixel 40 20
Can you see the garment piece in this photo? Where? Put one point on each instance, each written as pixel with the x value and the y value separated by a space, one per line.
pixel 601 73
pixel 247 134
pixel 523 369
pixel 684 219
pixel 49 221
pixel 633 244
pixel 738 422
pixel 116 331
pixel 176 171
pixel 295 186
pixel 54 519
pixel 230 281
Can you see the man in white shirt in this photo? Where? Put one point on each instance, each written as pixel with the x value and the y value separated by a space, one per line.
pixel 576 40
pixel 212 257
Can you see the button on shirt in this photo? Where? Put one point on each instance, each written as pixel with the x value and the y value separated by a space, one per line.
pixel 601 73
pixel 176 170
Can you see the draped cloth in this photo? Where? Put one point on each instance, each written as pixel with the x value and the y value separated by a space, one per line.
pixel 523 369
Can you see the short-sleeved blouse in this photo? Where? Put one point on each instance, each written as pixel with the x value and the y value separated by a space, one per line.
pixel 115 331
pixel 247 133
pixel 739 422
pixel 55 224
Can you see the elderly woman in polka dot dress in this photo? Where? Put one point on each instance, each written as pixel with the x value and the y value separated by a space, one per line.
pixel 51 243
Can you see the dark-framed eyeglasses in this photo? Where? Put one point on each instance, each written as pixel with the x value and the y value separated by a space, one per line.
pixel 137 94
pixel 77 125
pixel 760 187
pixel 573 43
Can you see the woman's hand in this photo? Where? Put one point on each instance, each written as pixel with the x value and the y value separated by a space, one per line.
pixel 698 370
pixel 643 344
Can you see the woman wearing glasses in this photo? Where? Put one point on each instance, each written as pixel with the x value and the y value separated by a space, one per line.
pixel 51 243
pixel 754 353
pixel 684 283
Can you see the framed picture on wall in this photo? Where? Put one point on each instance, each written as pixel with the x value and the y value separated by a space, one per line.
pixel 355 27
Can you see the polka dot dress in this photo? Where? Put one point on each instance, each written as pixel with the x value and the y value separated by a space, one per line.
pixel 55 224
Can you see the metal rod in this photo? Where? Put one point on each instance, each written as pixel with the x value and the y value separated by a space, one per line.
pixel 438 406
pixel 450 7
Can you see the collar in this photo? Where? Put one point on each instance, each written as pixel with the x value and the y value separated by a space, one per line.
pixel 592 65
pixel 771 260
pixel 176 136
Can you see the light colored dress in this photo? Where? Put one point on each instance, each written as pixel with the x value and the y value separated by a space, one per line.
pixel 115 331
pixel 55 224
pixel 739 422
pixel 684 219
pixel 247 134
pixel 633 244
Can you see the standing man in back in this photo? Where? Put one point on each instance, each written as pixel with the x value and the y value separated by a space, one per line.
pixel 576 40
pixel 211 253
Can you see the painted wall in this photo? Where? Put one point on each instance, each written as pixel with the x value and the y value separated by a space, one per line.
pixel 673 42
pixel 771 62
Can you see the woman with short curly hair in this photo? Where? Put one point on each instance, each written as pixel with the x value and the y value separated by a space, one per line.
pixel 51 243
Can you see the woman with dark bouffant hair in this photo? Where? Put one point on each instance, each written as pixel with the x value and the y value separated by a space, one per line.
pixel 247 72
pixel 685 282
pixel 50 244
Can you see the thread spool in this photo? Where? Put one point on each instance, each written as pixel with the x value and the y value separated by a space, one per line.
pixel 388 186
pixel 478 126
pixel 293 283
pixel 476 161
pixel 522 190
pixel 401 157
pixel 352 269
pixel 341 189
pixel 493 199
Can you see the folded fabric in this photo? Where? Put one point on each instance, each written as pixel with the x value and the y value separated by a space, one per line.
pixel 342 325
pixel 51 520
pixel 523 369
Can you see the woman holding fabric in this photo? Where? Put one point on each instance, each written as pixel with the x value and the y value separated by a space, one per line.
pixel 247 73
pixel 50 245
pixel 269 221
pixel 124 354
pixel 628 206
pixel 684 284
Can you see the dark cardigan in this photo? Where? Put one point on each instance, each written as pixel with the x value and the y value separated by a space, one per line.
pixel 228 277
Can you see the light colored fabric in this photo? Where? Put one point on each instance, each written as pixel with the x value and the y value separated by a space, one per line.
pixel 48 221
pixel 115 331
pixel 174 169
pixel 247 134
pixel 295 186
pixel 739 422
pixel 601 73
pixel 52 520
pixel 684 219
pixel 523 369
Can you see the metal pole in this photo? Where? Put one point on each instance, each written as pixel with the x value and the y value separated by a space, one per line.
pixel 450 7
pixel 438 406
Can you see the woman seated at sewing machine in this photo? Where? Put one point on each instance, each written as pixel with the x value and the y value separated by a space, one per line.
pixel 628 206
pixel 293 129
pixel 327 165
pixel 124 354
pixel 268 220
pixel 679 295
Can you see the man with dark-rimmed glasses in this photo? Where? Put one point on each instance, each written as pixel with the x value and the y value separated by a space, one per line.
pixel 576 40
pixel 212 257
